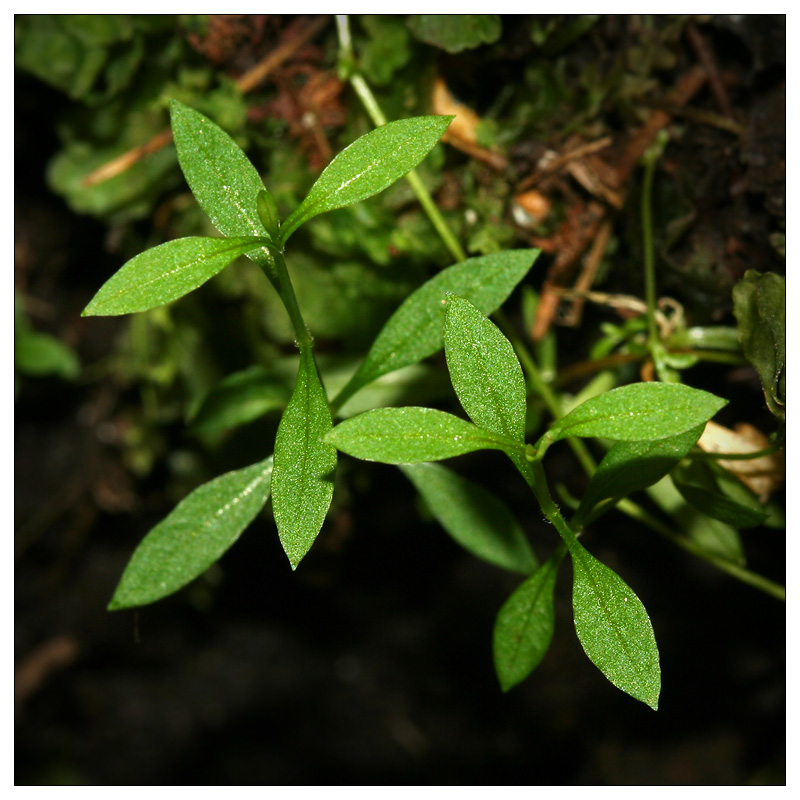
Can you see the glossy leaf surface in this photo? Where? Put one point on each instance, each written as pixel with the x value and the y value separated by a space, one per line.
pixel 410 435
pixel 165 273
pixel 632 466
pixel 368 166
pixel 473 516
pixel 302 483
pixel 416 330
pixel 614 628
pixel 639 412
pixel 194 535
pixel 222 178
pixel 524 626
pixel 484 369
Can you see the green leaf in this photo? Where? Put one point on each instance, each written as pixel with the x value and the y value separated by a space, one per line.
pixel 475 518
pixel 632 466
pixel 524 626
pixel 194 536
pixel 410 435
pixel 711 489
pixel 484 370
pixel 711 535
pixel 302 484
pixel 221 177
pixel 456 32
pixel 165 273
pixel 367 166
pixel 241 398
pixel 416 330
pixel 759 303
pixel 638 412
pixel 613 627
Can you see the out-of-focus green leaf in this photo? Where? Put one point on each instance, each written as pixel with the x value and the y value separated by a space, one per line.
pixel 165 273
pixel 631 466
pixel 475 518
pixel 37 353
pixel 410 435
pixel 416 330
pixel 712 535
pixel 369 165
pixel 194 536
pixel 714 491
pixel 302 485
pixel 759 302
pixel 387 48
pixel 241 398
pixel 456 32
pixel 524 626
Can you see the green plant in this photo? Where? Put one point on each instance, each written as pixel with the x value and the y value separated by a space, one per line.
pixel 651 428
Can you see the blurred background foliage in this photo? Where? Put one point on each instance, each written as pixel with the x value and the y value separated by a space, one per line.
pixel 544 152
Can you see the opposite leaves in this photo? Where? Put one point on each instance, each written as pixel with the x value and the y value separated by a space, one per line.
pixel 195 535
pixel 368 166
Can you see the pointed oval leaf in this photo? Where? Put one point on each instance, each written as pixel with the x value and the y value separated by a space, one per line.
pixel 484 369
pixel 194 536
pixel 639 412
pixel 302 483
pixel 416 330
pixel 410 435
pixel 165 273
pixel 222 178
pixel 632 466
pixel 524 626
pixel 368 166
pixel 614 628
pixel 475 518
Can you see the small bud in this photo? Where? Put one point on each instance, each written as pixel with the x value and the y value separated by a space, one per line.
pixel 268 213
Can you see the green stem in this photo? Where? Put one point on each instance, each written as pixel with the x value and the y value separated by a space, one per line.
pixel 636 512
pixel 650 161
pixel 370 103
pixel 286 291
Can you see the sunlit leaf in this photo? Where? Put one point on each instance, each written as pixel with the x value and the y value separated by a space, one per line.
pixel 410 435
pixel 416 330
pixel 165 273
pixel 194 535
pixel 614 628
pixel 524 626
pixel 223 180
pixel 302 484
pixel 484 369
pixel 638 412
pixel 367 166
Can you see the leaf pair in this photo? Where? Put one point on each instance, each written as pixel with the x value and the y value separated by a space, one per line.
pixel 229 189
